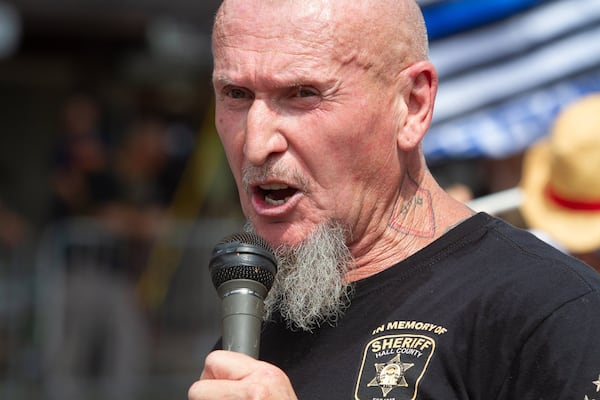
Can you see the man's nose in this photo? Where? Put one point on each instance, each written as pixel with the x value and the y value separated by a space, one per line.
pixel 263 133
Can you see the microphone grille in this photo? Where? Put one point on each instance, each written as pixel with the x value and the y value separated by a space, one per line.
pixel 243 255
pixel 247 238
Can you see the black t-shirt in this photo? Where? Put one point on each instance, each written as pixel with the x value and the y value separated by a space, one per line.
pixel 486 312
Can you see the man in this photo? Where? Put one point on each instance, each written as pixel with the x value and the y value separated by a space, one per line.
pixel 387 288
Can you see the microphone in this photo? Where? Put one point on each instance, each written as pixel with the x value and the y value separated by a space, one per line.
pixel 242 268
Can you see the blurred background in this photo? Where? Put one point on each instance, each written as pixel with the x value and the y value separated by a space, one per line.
pixel 114 188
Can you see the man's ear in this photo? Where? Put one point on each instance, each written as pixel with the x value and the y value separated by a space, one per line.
pixel 419 98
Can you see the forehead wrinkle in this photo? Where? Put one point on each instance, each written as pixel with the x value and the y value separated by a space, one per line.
pixel 291 78
pixel 299 40
pixel 299 65
pixel 382 37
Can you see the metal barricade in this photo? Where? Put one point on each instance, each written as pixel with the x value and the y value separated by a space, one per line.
pixel 123 319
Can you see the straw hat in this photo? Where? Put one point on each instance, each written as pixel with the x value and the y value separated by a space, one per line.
pixel 561 178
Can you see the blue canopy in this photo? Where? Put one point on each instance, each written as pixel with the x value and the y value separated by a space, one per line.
pixel 506 68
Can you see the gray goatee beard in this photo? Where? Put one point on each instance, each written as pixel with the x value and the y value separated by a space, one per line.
pixel 309 287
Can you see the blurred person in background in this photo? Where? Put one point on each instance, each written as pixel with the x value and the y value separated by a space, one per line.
pixel 143 180
pixel 561 181
pixel 95 333
pixel 81 180
pixel 80 167
pixel 15 229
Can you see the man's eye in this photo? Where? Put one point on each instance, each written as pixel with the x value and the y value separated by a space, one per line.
pixel 237 93
pixel 305 92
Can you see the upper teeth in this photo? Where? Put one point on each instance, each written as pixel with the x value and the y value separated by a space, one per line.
pixel 274 186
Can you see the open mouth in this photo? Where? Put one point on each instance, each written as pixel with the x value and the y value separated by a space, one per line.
pixel 276 194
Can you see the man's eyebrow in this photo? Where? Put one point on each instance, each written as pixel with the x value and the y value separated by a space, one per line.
pixel 280 83
pixel 221 80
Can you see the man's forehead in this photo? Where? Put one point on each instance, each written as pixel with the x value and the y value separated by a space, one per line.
pixel 334 17
pixel 256 26
pixel 257 12
pixel 342 31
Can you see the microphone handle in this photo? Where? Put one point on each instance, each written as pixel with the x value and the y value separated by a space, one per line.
pixel 242 309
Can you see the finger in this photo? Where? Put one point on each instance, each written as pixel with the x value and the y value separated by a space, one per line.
pixel 231 376
pixel 221 364
pixel 216 390
pixel 240 390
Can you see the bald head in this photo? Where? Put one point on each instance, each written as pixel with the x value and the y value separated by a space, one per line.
pixel 381 35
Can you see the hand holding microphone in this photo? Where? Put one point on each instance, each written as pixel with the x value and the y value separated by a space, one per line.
pixel 243 269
